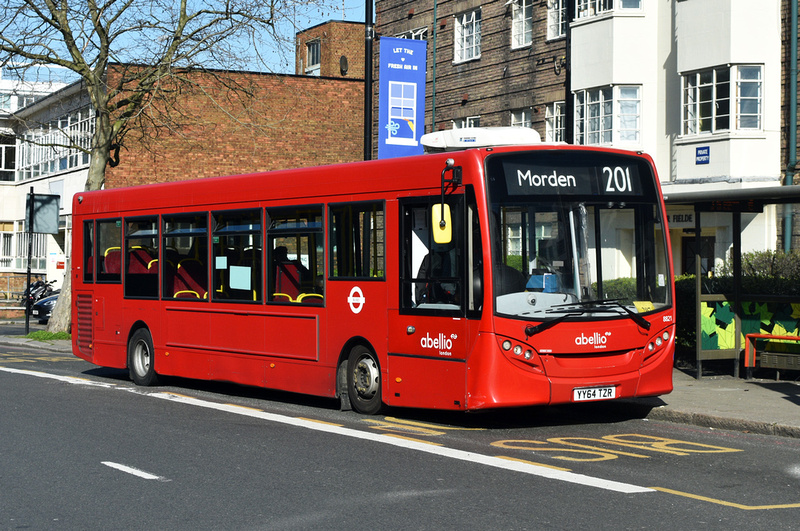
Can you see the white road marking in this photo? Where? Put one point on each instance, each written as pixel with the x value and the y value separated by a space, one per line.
pixel 134 471
pixel 441 451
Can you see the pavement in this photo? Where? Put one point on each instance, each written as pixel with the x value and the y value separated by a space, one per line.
pixel 762 406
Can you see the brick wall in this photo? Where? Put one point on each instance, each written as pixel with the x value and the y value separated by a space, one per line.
pixel 266 122
pixel 337 39
pixel 501 80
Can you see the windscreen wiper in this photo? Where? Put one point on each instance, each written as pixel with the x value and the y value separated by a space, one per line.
pixel 638 319
pixel 549 323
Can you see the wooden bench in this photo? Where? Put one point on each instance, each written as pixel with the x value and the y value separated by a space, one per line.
pixel 769 360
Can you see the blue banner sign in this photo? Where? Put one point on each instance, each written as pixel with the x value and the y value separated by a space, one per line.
pixel 702 155
pixel 401 101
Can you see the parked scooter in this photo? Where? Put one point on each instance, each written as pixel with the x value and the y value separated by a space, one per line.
pixel 38 290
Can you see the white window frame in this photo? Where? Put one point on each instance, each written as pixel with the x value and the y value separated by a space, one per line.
pixel 466 123
pixel 313 57
pixel 608 115
pixel 555 121
pixel 521 23
pixel 467 36
pixel 522 117
pixel 749 97
pixel 723 99
pixel 593 8
pixel 417 34
pixel 556 19
pixel 62 145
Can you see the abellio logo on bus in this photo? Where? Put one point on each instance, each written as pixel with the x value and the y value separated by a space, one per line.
pixel 442 343
pixel 597 340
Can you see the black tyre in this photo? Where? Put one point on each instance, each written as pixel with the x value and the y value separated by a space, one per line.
pixel 141 359
pixel 364 381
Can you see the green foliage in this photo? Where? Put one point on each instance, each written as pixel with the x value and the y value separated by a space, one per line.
pixel 515 261
pixel 763 273
pixel 41 335
pixel 618 288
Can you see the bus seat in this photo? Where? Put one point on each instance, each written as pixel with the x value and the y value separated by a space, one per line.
pixel 287 279
pixel 112 261
pixel 139 261
pixel 311 298
pixel 190 278
pixel 281 297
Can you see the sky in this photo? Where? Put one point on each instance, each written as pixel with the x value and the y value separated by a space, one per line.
pixel 349 10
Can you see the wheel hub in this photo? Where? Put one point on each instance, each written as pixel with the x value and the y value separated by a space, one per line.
pixel 366 377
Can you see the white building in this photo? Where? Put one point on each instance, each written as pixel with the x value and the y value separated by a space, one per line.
pixel 44 114
pixel 695 83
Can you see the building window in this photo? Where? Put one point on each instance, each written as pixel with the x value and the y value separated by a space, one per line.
pixel 629 110
pixel 61 145
pixel 707 99
pixel 591 8
pixel 312 58
pixel 556 18
pixel 522 23
pixel 468 36
pixel 418 34
pixel 606 115
pixel 521 118
pixel 469 121
pixel 748 93
pixel 5 102
pixel 8 157
pixel 554 122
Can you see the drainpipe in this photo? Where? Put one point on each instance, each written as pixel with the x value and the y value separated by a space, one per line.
pixel 433 72
pixel 792 123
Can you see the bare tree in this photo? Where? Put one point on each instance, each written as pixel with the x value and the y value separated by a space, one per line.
pixel 163 38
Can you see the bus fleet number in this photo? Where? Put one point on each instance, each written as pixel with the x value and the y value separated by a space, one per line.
pixel 619 179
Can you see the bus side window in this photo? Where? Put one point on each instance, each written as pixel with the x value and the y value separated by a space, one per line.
pixel 295 241
pixel 237 256
pixel 185 267
pixel 141 257
pixel 108 250
pixel 357 241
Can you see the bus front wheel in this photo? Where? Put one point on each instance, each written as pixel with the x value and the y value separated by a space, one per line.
pixel 364 380
pixel 141 366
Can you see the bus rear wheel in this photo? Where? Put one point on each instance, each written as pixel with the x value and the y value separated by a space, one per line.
pixel 141 366
pixel 364 381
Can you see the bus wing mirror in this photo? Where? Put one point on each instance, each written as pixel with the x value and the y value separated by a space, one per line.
pixel 442 223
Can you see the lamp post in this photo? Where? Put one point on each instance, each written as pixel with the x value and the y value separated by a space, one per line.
pixel 369 36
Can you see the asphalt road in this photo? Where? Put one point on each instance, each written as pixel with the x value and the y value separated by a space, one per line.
pixel 82 447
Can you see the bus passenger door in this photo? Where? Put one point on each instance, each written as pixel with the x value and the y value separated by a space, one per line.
pixel 439 293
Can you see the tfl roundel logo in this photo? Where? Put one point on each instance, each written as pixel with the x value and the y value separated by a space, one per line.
pixel 356 299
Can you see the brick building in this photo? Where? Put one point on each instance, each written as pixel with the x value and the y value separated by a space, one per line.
pixel 332 49
pixel 496 63
pixel 276 122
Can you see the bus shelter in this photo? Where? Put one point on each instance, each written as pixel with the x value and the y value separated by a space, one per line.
pixel 726 315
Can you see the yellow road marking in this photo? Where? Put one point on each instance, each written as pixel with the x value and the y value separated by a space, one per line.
pixel 429 425
pixel 727 503
pixel 412 439
pixel 533 463
pixel 320 421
